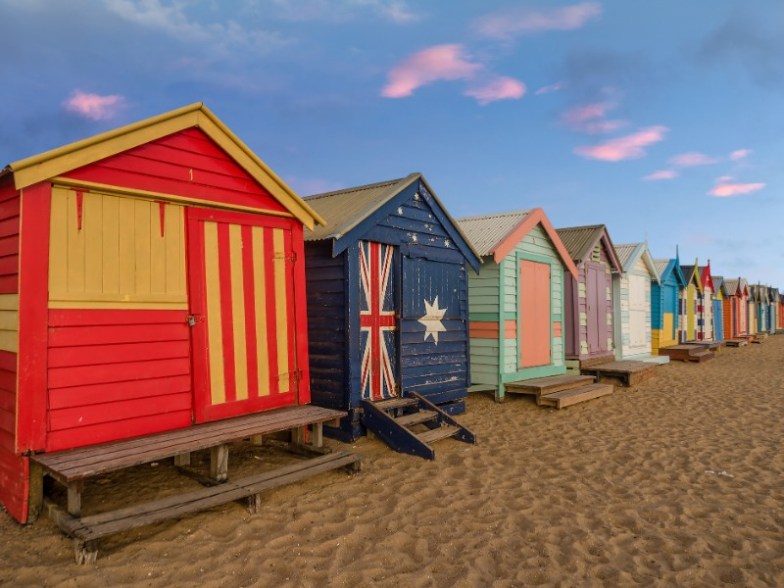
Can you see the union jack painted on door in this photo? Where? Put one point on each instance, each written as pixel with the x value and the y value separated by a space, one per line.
pixel 378 322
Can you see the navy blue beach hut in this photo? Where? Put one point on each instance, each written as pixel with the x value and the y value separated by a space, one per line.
pixel 387 294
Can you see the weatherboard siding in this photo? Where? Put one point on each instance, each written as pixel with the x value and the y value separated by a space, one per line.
pixel 495 351
pixel 326 295
pixel 187 164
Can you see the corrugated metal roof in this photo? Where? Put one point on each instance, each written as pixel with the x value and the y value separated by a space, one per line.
pixel 625 252
pixel 731 286
pixel 579 241
pixel 661 265
pixel 486 232
pixel 718 282
pixel 344 209
pixel 688 271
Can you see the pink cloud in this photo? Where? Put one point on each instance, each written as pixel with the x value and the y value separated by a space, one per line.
pixel 599 127
pixel 557 86
pixel 441 62
pixel 739 154
pixel 725 188
pixel 500 88
pixel 585 112
pixel 505 25
pixel 584 118
pixel 662 174
pixel 93 106
pixel 692 159
pixel 628 147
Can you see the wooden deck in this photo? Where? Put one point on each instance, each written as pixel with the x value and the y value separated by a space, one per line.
pixel 736 342
pixel 687 352
pixel 627 372
pixel 574 395
pixel 711 345
pixel 561 391
pixel 548 385
pixel 73 468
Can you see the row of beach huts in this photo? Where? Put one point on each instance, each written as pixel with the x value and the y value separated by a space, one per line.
pixel 164 294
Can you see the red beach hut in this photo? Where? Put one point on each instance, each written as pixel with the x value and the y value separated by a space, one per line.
pixel 151 279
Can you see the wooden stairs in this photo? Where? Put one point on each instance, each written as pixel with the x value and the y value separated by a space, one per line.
pixel 410 424
pixel 687 352
pixel 561 391
pixel 759 337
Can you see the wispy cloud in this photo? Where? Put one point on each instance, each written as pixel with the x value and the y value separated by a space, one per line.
pixel 505 25
pixel 449 63
pixel 556 87
pixel 93 106
pixel 622 148
pixel 726 188
pixel 589 118
pixel 662 174
pixel 172 20
pixel 336 11
pixel 441 62
pixel 499 88
pixel 739 154
pixel 692 159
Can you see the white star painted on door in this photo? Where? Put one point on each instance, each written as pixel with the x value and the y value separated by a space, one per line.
pixel 432 320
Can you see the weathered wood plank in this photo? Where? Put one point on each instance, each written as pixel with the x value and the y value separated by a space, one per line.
pixel 89 461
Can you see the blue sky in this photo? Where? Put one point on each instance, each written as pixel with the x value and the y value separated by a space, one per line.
pixel 662 120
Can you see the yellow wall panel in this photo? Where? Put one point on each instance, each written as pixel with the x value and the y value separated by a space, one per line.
pixel 9 322
pixel 118 257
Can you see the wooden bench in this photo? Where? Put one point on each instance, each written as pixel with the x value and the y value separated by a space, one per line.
pixel 74 467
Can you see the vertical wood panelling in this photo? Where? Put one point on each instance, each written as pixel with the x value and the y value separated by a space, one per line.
pixel 244 286
pixel 34 259
pixel 116 255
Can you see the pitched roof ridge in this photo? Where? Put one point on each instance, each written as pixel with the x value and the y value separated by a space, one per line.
pixel 506 214
pixel 351 189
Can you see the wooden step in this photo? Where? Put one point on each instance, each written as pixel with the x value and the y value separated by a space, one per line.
pixel 736 342
pixel 702 356
pixel 439 433
pixel 393 403
pixel 628 372
pixel 575 395
pixel 415 418
pixel 548 385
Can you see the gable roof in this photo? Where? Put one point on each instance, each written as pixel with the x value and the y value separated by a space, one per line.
pixel 580 242
pixel 629 253
pixel 706 277
pixel 351 212
pixel 718 283
pixel 499 233
pixel 670 267
pixel 55 162
pixel 691 272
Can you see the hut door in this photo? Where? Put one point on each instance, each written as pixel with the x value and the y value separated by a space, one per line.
pixel 242 315
pixel 596 299
pixel 378 321
pixel 535 314
pixel 638 310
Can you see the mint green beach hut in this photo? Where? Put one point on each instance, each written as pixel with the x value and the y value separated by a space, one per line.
pixel 516 302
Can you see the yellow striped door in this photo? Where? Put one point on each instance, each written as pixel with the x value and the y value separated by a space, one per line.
pixel 242 314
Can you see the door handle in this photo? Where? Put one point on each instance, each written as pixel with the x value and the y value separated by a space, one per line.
pixel 192 320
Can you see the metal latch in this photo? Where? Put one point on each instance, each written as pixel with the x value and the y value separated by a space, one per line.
pixel 192 320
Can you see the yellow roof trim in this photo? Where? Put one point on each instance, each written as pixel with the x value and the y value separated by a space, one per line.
pixel 63 159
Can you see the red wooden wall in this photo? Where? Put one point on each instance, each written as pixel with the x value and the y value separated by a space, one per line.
pixel 13 469
pixel 116 374
pixel 187 164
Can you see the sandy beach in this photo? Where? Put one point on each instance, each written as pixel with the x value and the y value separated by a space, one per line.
pixel 677 481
